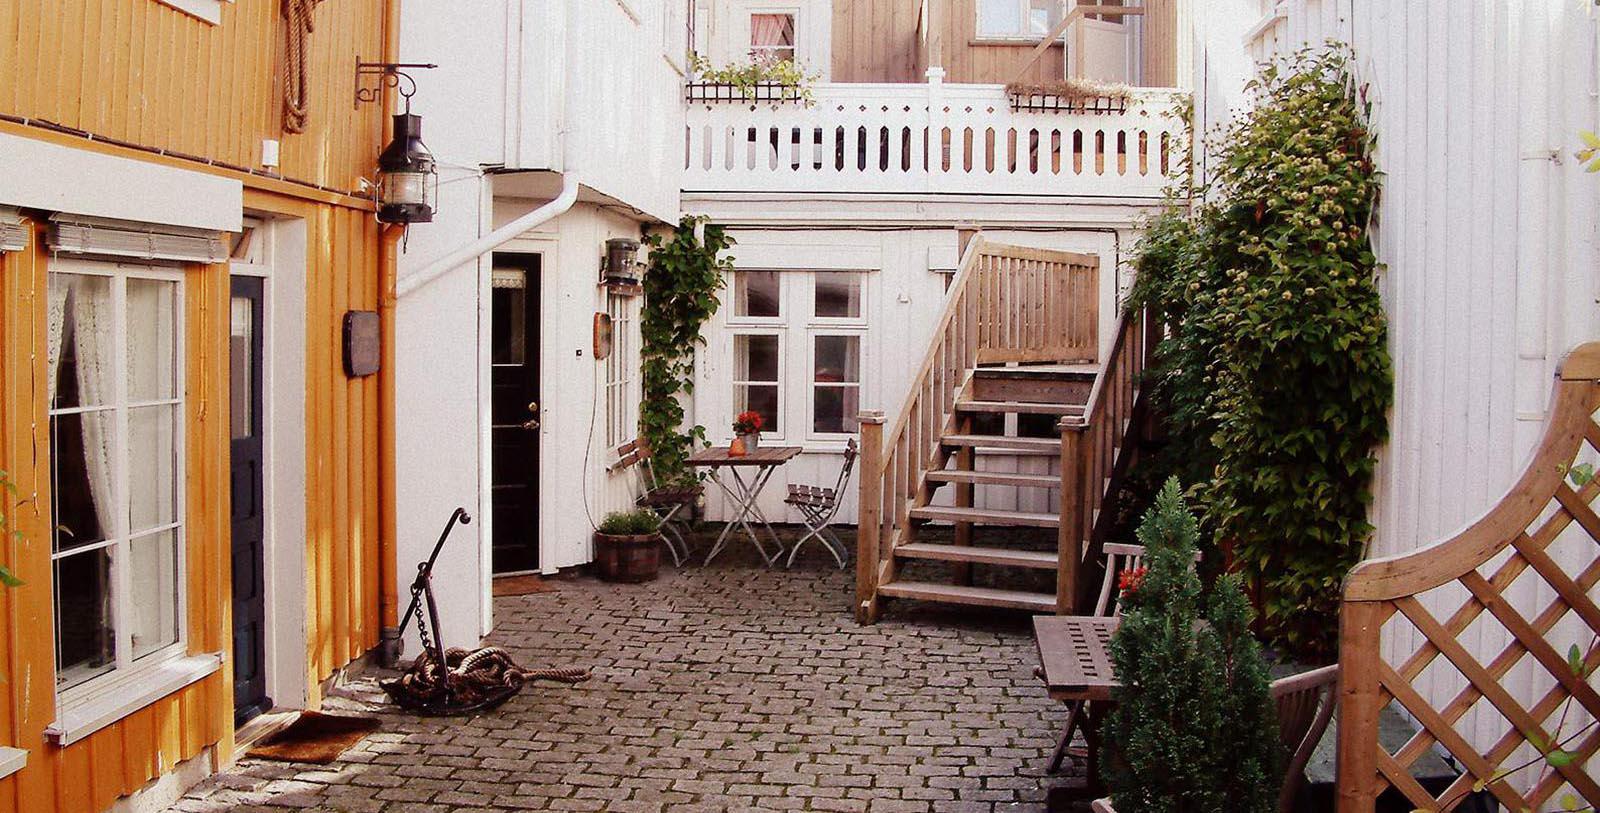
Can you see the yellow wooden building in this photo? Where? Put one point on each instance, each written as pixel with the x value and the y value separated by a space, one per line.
pixel 183 229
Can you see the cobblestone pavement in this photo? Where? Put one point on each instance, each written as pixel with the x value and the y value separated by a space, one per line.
pixel 728 687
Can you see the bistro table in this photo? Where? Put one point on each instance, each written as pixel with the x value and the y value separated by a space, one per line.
pixel 744 491
pixel 1075 663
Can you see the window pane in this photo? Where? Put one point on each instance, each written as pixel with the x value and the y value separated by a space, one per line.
pixel 154 619
pixel 85 638
pixel 508 326
pixel 838 294
pixel 836 410
pixel 838 359
pixel 772 36
pixel 152 344
pixel 763 398
pixel 152 464
pixel 755 358
pixel 81 341
pixel 999 17
pixel 755 293
pixel 242 378
pixel 81 485
pixel 1043 16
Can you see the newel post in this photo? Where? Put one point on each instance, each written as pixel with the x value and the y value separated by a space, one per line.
pixel 1069 536
pixel 869 524
pixel 1360 703
pixel 933 152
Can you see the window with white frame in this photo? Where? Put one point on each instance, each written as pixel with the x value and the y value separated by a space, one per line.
pixel 117 470
pixel 798 341
pixel 622 417
pixel 772 36
pixel 1009 19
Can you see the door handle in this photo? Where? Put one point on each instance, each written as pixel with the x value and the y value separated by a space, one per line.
pixel 533 422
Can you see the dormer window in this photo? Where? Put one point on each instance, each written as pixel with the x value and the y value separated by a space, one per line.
pixel 772 37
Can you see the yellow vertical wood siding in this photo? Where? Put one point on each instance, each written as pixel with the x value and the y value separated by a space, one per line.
pixel 138 75
pixel 144 73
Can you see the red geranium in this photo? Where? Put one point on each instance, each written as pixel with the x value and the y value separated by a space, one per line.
pixel 1129 580
pixel 748 422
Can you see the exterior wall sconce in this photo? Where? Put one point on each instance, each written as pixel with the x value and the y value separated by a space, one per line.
pixel 622 266
pixel 408 177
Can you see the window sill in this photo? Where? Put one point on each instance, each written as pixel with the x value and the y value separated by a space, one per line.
pixel 81 719
pixel 12 760
pixel 1009 42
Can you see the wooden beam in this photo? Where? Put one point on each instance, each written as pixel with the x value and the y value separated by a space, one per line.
pixel 1077 13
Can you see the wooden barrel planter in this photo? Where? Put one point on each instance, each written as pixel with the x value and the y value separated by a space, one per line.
pixel 628 559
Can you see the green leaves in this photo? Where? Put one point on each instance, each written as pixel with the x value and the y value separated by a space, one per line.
pixel 8 489
pixel 1590 152
pixel 1275 378
pixel 686 271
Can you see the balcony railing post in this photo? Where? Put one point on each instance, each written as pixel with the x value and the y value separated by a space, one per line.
pixel 933 155
pixel 869 523
pixel 1069 536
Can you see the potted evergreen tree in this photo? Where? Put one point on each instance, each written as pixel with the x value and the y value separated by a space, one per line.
pixel 627 546
pixel 1193 729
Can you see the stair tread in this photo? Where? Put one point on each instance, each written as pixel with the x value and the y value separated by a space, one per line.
pixel 986 516
pixel 980 596
pixel 1002 442
pixel 1042 560
pixel 997 478
pixel 1019 407
pixel 1050 371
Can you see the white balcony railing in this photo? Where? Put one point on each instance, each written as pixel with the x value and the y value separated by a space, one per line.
pixel 932 139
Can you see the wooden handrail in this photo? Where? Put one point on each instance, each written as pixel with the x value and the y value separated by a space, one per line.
pixel 1077 13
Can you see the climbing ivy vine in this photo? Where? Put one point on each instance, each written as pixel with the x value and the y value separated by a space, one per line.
pixel 687 268
pixel 1275 379
pixel 7 489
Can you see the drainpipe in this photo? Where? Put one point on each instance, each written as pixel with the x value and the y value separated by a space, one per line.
pixel 388 525
pixel 440 266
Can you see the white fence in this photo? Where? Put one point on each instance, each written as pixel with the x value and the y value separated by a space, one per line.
pixel 932 138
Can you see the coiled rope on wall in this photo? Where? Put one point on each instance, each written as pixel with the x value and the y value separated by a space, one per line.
pixel 297 33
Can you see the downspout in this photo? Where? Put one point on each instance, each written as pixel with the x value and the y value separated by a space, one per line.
pixel 483 245
pixel 388 531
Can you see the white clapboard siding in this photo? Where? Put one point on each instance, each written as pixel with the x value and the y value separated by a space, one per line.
pixel 1488 231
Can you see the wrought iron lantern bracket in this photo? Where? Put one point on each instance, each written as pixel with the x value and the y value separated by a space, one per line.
pixel 387 75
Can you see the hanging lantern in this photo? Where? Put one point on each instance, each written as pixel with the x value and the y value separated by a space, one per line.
pixel 407 178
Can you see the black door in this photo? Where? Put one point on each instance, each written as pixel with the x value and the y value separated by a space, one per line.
pixel 249 519
pixel 514 353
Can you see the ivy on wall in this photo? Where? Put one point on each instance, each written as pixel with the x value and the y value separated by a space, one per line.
pixel 1275 380
pixel 680 289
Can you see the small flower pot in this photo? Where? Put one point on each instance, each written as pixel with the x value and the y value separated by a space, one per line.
pixel 736 447
pixel 628 559
pixel 752 441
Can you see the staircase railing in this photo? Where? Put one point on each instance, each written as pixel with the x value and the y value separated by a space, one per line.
pixel 1092 455
pixel 1005 304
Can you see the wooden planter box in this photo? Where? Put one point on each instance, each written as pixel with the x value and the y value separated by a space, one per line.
pixel 628 559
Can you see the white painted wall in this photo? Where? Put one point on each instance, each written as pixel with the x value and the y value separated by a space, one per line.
pixel 1488 230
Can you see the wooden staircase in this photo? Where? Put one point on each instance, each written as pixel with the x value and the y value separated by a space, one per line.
pixel 1020 337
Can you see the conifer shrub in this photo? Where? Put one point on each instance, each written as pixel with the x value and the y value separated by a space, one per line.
pixel 1193 729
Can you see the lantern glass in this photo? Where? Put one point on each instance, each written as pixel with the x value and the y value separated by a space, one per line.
pixel 406 189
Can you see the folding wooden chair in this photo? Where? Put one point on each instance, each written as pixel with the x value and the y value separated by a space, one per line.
pixel 672 504
pixel 818 506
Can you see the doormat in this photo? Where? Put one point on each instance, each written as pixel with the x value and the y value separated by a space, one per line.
pixel 315 738
pixel 521 585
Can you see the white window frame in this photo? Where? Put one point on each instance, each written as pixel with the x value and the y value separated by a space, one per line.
pixel 129 675
pixel 621 368
pixel 735 381
pixel 1024 9
pixel 750 13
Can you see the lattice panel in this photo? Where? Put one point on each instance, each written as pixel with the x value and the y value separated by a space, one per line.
pixel 1470 637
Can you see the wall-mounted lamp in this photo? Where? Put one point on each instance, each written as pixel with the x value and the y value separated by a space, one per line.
pixel 622 261
pixel 408 179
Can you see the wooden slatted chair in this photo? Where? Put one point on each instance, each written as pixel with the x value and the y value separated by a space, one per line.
pixel 672 504
pixel 819 505
pixel 1305 704
pixel 1119 558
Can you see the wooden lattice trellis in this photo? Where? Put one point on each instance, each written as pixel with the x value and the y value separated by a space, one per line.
pixel 1508 562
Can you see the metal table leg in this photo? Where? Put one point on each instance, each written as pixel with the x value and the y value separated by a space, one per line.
pixel 745 496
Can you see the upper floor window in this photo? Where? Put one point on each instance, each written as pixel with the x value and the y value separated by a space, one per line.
pixel 772 37
pixel 117 472
pixel 1017 18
